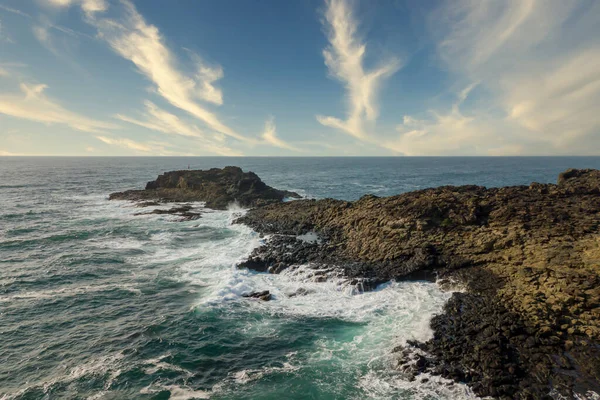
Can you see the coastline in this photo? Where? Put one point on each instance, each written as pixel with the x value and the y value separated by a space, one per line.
pixel 527 325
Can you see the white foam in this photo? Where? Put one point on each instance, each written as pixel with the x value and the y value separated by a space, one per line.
pixel 68 291
pixel 388 316
pixel 309 237
pixel 97 366
pixel 177 392
pixel 157 364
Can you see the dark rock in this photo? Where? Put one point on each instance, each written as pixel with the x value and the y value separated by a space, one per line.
pixel 264 295
pixel 300 292
pixel 528 256
pixel 183 211
pixel 217 187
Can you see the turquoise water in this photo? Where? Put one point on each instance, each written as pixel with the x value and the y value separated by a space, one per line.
pixel 96 303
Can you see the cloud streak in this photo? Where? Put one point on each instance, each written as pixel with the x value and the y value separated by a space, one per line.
pixel 539 62
pixel 142 44
pixel 88 6
pixel 270 137
pixel 14 11
pixel 163 121
pixel 344 58
pixel 32 104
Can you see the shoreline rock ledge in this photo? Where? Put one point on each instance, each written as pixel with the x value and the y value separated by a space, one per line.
pixel 217 187
pixel 526 324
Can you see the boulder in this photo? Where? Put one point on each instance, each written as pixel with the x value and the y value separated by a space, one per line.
pixel 265 295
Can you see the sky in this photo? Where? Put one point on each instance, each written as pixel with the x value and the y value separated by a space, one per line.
pixel 299 77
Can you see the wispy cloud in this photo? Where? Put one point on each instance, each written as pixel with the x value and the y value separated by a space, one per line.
pixel 32 104
pixel 131 144
pixel 538 62
pixel 42 34
pixel 452 133
pixel 270 137
pixel 14 11
pixel 154 148
pixel 88 6
pixel 163 121
pixel 141 43
pixel 4 73
pixel 344 58
pixel 160 120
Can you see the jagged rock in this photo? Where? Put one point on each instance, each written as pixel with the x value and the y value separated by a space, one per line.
pixel 217 187
pixel 265 295
pixel 300 292
pixel 528 256
pixel 183 211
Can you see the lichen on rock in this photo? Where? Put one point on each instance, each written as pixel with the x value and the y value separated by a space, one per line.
pixel 529 256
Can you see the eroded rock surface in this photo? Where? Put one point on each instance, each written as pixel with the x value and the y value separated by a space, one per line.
pixel 217 187
pixel 529 256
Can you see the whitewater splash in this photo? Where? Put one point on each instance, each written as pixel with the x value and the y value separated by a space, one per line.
pixel 381 319
pixel 326 334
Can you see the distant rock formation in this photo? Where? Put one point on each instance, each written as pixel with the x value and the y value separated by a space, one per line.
pixel 528 323
pixel 217 187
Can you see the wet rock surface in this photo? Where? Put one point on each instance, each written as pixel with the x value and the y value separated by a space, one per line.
pixel 528 323
pixel 185 211
pixel 265 295
pixel 217 187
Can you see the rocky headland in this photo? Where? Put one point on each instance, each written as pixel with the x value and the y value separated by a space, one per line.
pixel 526 324
pixel 217 187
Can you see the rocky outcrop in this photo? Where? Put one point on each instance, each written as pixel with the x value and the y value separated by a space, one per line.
pixel 185 211
pixel 217 187
pixel 265 295
pixel 529 257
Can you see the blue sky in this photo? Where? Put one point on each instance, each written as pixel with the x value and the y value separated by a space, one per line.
pixel 302 77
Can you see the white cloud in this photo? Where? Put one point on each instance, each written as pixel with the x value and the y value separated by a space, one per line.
pixel 270 137
pixel 449 133
pixel 14 11
pixel 344 58
pixel 131 144
pixel 88 6
pixel 539 61
pixel 4 73
pixel 160 120
pixel 33 105
pixel 146 148
pixel 142 44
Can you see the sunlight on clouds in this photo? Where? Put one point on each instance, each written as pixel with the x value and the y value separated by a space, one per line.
pixel 451 133
pixel 33 105
pixel 270 136
pixel 142 44
pixel 88 6
pixel 160 120
pixel 154 148
pixel 344 58
pixel 540 60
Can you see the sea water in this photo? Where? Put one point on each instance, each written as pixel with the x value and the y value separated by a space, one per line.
pixel 97 303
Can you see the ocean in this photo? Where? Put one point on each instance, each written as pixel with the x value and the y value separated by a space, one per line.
pixel 98 303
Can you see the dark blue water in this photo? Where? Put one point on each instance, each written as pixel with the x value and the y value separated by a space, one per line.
pixel 96 303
